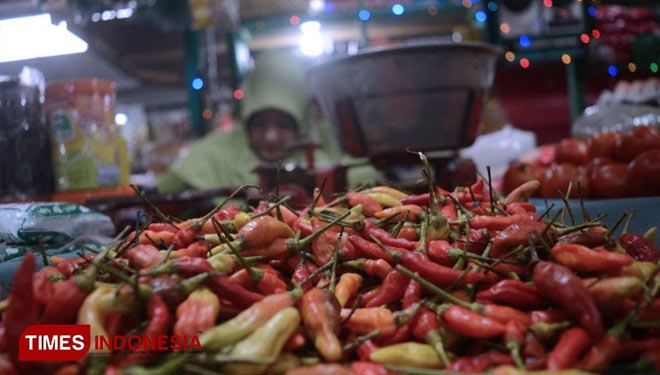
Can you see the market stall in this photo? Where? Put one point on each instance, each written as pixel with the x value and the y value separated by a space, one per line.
pixel 330 187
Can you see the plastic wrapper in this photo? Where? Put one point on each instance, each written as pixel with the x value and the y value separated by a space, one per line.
pixel 52 223
pixel 498 149
pixel 629 105
pixel 61 229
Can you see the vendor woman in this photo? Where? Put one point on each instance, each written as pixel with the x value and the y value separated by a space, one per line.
pixel 273 116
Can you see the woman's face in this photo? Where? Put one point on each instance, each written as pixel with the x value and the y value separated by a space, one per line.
pixel 270 132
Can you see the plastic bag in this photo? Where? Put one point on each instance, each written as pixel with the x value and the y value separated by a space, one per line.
pixel 54 223
pixel 498 149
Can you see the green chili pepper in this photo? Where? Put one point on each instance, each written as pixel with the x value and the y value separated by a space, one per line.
pixel 411 354
pixel 266 342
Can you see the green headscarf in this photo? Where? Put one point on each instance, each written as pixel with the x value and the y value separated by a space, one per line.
pixel 227 159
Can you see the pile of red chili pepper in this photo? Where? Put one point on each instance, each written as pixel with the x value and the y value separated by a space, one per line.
pixel 376 281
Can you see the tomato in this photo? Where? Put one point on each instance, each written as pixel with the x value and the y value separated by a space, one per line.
pixel 644 174
pixel 559 176
pixel 603 144
pixel 640 139
pixel 609 181
pixel 597 162
pixel 572 151
pixel 519 173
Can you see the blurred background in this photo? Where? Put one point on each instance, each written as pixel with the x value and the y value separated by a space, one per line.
pixel 160 74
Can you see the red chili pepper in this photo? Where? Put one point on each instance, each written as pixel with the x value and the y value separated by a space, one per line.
pixel 513 293
pixel 21 312
pixel 514 208
pixel 372 267
pixel 503 314
pixel 471 324
pixel 561 286
pixel 640 248
pixel 268 281
pixel 419 200
pixel 408 212
pixel 409 233
pixel 162 227
pixel 324 246
pixel 185 265
pixel 590 237
pixel 449 211
pixel 195 249
pixel 631 349
pixel 534 352
pixel 393 288
pixel 497 222
pixel 601 355
pixel 424 322
pixel 68 266
pixel 371 229
pixel 43 284
pixel 412 294
pixel 163 238
pixel 297 340
pixel 159 324
pixel 365 349
pixel 480 363
pixel 369 205
pixel 514 235
pixel 549 316
pixel 63 304
pixel 439 275
pixel 402 334
pixel 479 239
pixel 237 294
pixel 320 314
pixel 143 256
pixel 438 252
pixel 581 258
pixel 370 368
pixel 288 216
pixel 568 349
pixel 370 249
pixel 262 231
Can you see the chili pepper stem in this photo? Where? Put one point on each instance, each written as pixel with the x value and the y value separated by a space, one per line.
pixel 585 214
pixel 308 240
pixel 199 222
pixel 514 348
pixel 397 228
pixel 421 247
pixel 255 275
pixel 191 283
pixel 434 339
pixel 564 198
pixel 403 316
pixel 386 218
pixel 316 197
pixel 357 302
pixel 42 250
pixel 626 226
pixel 438 291
pixel 316 273
pixel 616 224
pixel 360 340
pixel 335 256
pixel 155 209
pixel 271 208
pixel 547 211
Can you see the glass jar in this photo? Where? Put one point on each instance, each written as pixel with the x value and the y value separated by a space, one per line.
pixel 25 153
pixel 88 150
